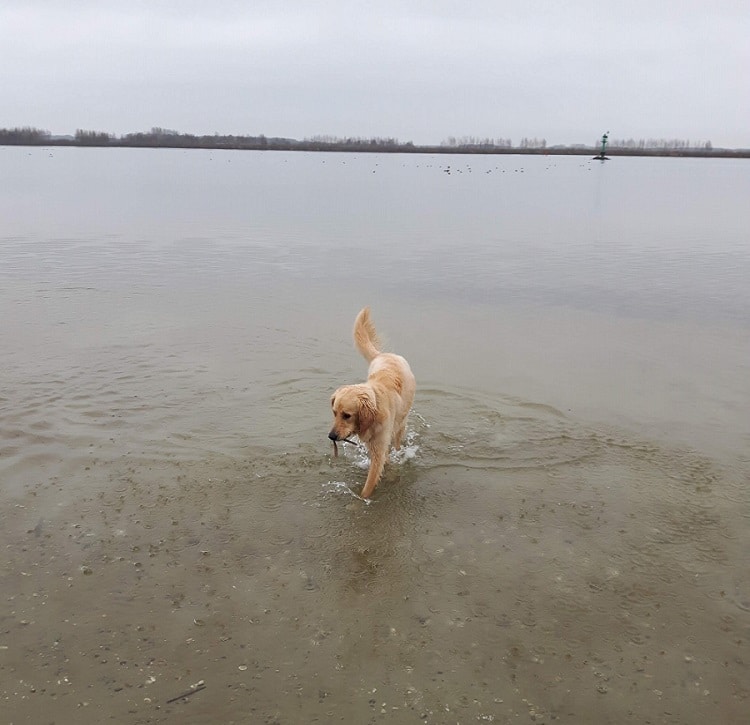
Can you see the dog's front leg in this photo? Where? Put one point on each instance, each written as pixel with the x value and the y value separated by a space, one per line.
pixel 377 462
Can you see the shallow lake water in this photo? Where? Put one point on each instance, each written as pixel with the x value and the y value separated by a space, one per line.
pixel 564 537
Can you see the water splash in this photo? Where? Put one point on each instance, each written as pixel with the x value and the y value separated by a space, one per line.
pixel 342 488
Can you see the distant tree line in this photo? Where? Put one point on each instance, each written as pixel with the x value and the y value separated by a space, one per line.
pixel 92 138
pixel 166 138
pixel 25 136
pixel 476 142
pixel 355 141
pixel 661 144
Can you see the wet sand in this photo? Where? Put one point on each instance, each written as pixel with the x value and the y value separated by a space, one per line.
pixel 525 568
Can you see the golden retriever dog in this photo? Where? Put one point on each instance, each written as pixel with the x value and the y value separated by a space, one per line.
pixel 375 410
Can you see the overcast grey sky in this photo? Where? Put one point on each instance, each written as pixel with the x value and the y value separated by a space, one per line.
pixel 419 71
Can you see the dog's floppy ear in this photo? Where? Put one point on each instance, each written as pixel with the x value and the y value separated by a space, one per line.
pixel 367 410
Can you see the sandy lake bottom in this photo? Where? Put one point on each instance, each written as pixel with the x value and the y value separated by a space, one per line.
pixel 572 576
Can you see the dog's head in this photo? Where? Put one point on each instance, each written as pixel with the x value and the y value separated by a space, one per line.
pixel 354 411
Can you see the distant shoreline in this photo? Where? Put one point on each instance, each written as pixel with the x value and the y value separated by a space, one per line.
pixel 408 148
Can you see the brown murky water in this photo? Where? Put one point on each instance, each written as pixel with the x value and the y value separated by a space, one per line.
pixel 564 538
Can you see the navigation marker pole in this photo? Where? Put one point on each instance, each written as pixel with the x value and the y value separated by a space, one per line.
pixel 601 156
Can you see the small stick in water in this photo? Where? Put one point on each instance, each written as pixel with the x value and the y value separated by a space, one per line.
pixel 336 448
pixel 198 688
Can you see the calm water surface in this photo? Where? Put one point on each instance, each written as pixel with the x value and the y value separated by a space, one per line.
pixel 564 538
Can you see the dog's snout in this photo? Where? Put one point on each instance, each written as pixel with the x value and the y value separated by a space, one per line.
pixel 333 435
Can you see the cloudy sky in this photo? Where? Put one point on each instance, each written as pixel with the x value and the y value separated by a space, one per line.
pixel 419 71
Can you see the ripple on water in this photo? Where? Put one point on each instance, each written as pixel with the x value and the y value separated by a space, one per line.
pixel 500 433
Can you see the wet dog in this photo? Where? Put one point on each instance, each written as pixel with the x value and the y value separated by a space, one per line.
pixel 375 410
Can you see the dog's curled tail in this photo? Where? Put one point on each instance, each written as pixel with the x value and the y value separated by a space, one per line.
pixel 365 337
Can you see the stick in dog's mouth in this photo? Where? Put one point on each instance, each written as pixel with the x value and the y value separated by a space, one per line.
pixel 336 448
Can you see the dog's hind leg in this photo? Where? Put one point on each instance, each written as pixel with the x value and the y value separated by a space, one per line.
pixel 398 436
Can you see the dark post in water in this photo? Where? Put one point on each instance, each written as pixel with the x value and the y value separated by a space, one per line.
pixel 601 155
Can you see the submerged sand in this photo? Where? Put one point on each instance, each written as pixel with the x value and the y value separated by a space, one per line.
pixel 528 569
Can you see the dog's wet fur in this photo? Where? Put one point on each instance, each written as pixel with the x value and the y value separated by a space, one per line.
pixel 377 409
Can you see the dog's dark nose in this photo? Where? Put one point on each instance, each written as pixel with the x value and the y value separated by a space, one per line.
pixel 333 435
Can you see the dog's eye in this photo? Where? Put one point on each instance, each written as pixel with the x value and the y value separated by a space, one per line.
pixel 346 416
